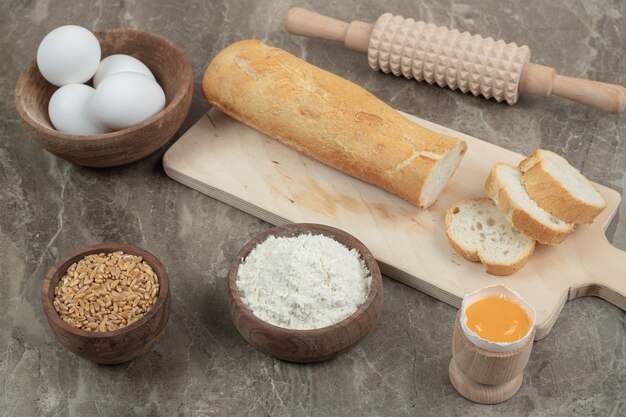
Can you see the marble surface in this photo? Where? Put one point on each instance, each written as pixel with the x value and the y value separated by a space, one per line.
pixel 202 366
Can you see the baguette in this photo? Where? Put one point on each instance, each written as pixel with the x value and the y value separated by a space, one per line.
pixel 478 231
pixel 330 119
pixel 559 188
pixel 504 187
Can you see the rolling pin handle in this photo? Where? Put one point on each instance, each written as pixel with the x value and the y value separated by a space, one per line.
pixel 358 36
pixel 610 98
pixel 304 22
pixel 544 81
pixel 537 79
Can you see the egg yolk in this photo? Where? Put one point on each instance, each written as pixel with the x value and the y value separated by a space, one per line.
pixel 498 319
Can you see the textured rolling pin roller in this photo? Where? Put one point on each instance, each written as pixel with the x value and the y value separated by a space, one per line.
pixel 470 63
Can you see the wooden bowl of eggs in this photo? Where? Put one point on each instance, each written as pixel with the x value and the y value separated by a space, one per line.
pixel 170 69
pixel 304 292
pixel 108 303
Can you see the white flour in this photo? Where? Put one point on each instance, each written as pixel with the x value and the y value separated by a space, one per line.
pixel 303 282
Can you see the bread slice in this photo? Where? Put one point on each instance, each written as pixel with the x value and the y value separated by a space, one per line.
pixel 505 188
pixel 478 231
pixel 559 188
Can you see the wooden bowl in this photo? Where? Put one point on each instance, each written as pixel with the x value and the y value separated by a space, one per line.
pixel 306 345
pixel 172 71
pixel 119 345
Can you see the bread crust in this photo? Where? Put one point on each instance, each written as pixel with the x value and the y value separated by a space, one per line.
pixel 474 255
pixel 552 196
pixel 326 117
pixel 520 218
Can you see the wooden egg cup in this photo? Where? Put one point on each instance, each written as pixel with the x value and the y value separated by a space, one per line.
pixel 484 376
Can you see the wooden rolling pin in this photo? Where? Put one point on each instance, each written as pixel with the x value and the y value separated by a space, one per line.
pixel 415 49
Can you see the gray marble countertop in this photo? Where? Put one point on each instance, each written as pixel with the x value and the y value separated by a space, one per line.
pixel 202 366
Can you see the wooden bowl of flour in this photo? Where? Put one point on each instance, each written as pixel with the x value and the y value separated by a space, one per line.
pixel 306 345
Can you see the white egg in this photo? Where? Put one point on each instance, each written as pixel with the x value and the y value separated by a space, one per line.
pixel 68 54
pixel 120 63
pixel 126 99
pixel 71 111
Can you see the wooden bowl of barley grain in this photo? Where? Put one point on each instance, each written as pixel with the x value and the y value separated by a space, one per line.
pixel 111 343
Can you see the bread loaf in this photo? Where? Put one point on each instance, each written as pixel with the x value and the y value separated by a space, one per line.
pixel 330 119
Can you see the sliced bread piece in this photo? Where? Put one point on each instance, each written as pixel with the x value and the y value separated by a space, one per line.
pixel 478 231
pixel 505 188
pixel 559 188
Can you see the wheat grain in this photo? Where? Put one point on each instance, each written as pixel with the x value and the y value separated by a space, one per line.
pixel 104 292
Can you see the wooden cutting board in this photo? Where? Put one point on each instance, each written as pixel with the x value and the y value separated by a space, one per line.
pixel 259 175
